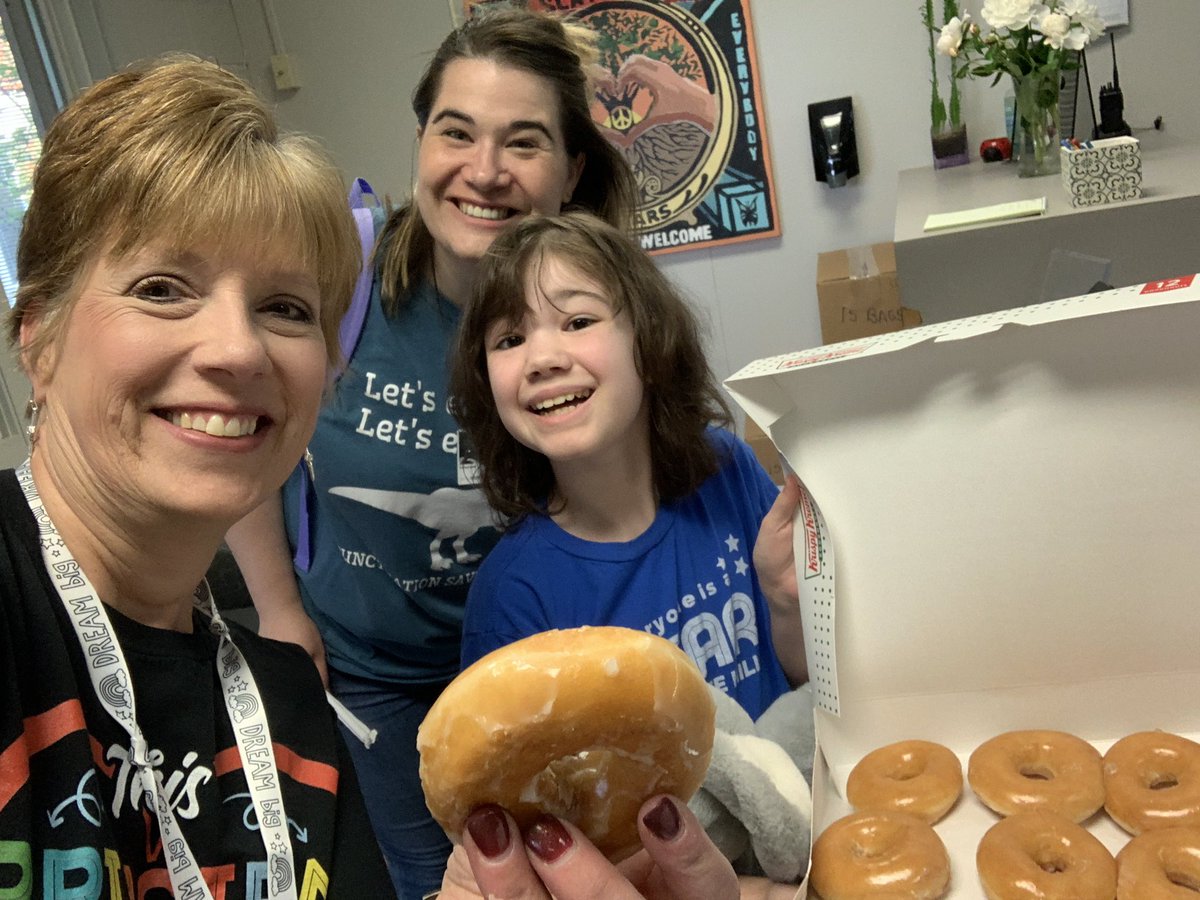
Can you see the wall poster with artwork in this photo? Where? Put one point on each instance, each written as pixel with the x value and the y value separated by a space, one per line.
pixel 679 95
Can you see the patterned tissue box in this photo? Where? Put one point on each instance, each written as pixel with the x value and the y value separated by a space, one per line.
pixel 1111 169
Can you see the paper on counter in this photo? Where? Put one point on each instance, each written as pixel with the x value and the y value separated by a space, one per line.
pixel 1016 209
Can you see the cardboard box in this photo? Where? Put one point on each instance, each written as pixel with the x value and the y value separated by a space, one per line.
pixel 1011 508
pixel 858 294
pixel 1110 169
pixel 767 453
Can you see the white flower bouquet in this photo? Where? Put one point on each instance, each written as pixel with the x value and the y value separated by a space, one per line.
pixel 1033 43
pixel 1026 37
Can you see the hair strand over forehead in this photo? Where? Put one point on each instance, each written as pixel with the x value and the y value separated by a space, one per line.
pixel 180 153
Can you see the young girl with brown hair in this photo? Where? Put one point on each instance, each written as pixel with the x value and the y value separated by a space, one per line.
pixel 581 379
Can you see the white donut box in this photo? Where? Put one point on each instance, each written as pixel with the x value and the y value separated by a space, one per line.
pixel 1011 506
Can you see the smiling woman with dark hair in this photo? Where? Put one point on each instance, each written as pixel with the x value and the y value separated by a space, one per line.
pixel 369 565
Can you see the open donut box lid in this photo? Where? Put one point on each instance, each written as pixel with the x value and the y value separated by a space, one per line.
pixel 1011 506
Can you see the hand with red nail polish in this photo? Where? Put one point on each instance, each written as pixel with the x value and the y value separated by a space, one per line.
pixel 677 861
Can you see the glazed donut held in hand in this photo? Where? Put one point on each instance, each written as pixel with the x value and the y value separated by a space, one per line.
pixel 1045 855
pixel 583 723
pixel 920 778
pixel 1019 771
pixel 879 854
pixel 1152 780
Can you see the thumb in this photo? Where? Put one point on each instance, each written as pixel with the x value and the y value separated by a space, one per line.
pixel 784 508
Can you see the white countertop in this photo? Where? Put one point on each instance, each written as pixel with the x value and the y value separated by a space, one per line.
pixel 989 266
pixel 1167 172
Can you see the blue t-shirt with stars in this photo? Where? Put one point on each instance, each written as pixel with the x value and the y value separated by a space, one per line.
pixel 687 578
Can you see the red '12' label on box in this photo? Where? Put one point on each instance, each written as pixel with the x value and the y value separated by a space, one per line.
pixel 1170 284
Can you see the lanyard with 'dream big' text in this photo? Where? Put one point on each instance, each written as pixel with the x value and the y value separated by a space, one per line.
pixel 114 688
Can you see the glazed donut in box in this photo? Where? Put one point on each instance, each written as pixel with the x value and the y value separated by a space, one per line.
pixel 999 534
pixel 1151 781
pixel 879 854
pixel 1023 771
pixel 583 723
pixel 921 778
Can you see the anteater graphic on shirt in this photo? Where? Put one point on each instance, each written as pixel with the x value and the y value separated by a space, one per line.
pixel 455 514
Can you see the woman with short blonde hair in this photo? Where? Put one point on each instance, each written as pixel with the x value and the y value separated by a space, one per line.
pixel 183 267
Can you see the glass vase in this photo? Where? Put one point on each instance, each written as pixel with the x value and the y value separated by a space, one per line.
pixel 1037 139
pixel 949 147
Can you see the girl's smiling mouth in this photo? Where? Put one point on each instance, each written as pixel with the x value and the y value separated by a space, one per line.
pixel 562 402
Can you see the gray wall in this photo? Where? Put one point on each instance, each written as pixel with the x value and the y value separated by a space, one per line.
pixel 358 61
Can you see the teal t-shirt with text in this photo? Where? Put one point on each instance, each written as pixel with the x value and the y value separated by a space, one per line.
pixel 398 527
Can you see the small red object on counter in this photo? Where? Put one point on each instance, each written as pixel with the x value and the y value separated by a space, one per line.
pixel 995 149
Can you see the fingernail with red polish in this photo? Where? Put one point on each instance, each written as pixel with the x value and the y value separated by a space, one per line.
pixel 663 820
pixel 489 830
pixel 548 839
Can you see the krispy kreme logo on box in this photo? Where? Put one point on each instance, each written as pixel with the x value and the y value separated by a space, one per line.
pixel 810 358
pixel 1168 284
pixel 812 539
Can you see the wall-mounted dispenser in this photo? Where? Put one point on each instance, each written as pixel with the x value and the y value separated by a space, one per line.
pixel 835 152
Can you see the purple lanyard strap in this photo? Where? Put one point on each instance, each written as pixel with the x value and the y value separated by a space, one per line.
pixel 348 334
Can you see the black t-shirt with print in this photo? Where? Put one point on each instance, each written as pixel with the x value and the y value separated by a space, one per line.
pixel 72 819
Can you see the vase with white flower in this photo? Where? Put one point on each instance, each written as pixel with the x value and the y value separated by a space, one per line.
pixel 947 131
pixel 1033 43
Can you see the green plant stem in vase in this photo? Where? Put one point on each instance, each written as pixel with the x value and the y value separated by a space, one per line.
pixel 1038 124
pixel 948 134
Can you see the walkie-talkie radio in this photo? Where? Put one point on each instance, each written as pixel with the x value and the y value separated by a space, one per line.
pixel 1112 104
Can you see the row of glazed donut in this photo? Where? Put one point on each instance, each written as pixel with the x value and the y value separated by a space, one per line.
pixel 1044 783
pixel 1043 854
pixel 1145 781
pixel 1035 854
